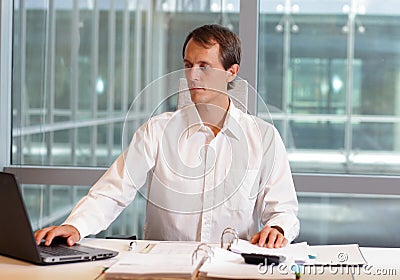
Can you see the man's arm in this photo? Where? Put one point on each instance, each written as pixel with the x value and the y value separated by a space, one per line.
pixel 110 195
pixel 280 206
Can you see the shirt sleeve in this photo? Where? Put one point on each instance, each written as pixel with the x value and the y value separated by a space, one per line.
pixel 117 188
pixel 280 205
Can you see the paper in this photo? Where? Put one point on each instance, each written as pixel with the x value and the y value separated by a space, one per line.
pixel 167 247
pixel 348 254
pixel 164 260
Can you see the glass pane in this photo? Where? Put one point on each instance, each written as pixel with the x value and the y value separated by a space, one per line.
pixel 330 72
pixel 331 219
pixel 78 65
pixel 50 205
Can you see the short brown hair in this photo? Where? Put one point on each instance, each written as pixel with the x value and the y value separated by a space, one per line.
pixel 208 35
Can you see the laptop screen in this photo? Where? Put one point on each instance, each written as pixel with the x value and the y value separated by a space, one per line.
pixel 16 234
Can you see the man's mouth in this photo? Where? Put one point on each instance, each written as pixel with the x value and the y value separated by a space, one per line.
pixel 196 87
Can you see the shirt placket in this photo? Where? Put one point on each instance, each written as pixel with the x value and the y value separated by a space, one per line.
pixel 209 179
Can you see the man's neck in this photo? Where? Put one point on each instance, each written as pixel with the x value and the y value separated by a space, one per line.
pixel 213 115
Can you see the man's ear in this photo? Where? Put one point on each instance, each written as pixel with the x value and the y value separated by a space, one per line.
pixel 232 72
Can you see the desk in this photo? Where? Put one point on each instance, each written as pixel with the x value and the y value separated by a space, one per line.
pixel 381 261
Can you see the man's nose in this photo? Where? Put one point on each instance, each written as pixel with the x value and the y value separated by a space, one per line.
pixel 193 73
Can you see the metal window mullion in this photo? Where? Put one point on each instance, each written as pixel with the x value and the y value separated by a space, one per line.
pixel 396 140
pixel 349 82
pixel 94 76
pixel 286 75
pixel 148 52
pixel 111 76
pixel 78 124
pixel 125 62
pixel 137 58
pixel 6 34
pixel 304 182
pixel 22 82
pixel 158 57
pixel 50 75
pixel 74 78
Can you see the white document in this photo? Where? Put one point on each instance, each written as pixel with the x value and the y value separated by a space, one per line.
pixel 348 254
pixel 164 260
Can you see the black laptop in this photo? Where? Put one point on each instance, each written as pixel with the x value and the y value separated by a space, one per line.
pixel 17 239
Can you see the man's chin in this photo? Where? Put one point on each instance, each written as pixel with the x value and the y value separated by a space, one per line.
pixel 198 99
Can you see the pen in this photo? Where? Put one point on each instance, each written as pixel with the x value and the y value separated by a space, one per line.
pixel 148 248
pixel 132 246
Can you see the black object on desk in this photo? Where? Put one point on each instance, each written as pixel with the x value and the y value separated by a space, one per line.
pixel 261 258
pixel 121 236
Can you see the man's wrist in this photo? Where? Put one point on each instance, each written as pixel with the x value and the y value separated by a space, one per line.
pixel 278 228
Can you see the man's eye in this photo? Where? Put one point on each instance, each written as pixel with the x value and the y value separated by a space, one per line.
pixel 204 68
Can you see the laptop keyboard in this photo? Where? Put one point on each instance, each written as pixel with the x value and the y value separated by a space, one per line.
pixel 60 251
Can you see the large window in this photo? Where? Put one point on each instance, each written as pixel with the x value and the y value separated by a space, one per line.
pixel 330 71
pixel 332 68
pixel 78 65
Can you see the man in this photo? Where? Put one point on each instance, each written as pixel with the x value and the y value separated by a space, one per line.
pixel 211 165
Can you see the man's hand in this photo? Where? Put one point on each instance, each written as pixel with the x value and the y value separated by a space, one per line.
pixel 70 233
pixel 270 237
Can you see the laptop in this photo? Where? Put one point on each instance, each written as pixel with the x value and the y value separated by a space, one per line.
pixel 16 235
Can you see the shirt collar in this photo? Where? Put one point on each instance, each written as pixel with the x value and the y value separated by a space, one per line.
pixel 231 125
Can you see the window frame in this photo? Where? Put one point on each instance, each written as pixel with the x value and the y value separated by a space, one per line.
pixel 6 19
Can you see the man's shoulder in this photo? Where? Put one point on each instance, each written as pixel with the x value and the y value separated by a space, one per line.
pixel 251 120
pixel 167 119
pixel 160 118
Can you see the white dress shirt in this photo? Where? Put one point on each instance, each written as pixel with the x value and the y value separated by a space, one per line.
pixel 198 184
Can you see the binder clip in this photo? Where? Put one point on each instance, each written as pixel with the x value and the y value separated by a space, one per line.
pixel 231 231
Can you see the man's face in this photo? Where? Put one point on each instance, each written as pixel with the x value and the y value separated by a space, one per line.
pixel 207 79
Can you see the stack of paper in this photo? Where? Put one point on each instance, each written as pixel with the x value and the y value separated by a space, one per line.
pixel 176 260
pixel 164 260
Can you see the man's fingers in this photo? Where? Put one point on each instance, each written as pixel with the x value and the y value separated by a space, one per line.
pixel 272 237
pixel 264 236
pixel 69 232
pixel 285 242
pixel 269 237
pixel 57 231
pixel 255 238
pixel 279 242
pixel 71 240
pixel 40 234
pixel 50 236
